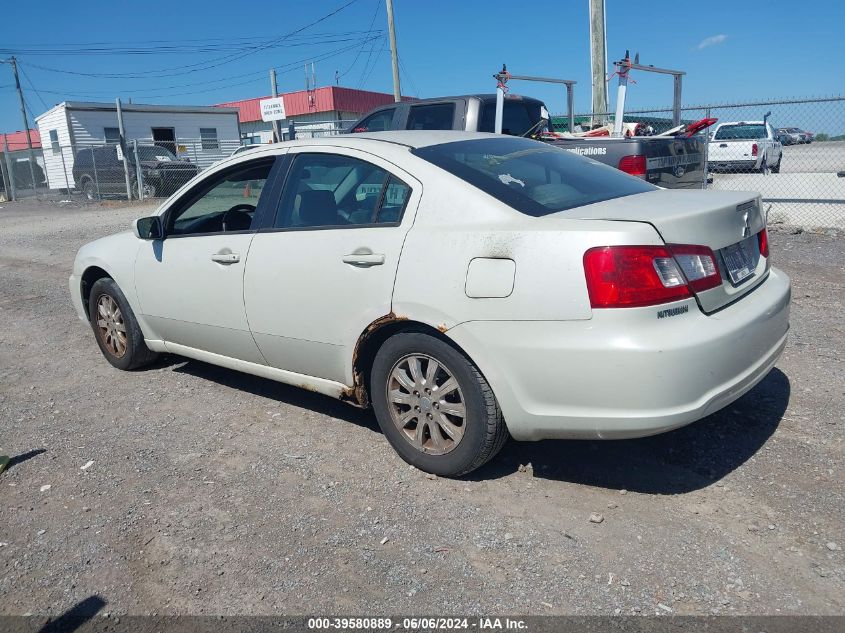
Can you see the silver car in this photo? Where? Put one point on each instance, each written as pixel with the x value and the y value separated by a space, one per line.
pixel 468 287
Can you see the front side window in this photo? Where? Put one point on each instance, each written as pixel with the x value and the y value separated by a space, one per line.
pixel 324 190
pixel 438 116
pixel 111 134
pixel 208 137
pixel 532 177
pixel 379 122
pixel 224 202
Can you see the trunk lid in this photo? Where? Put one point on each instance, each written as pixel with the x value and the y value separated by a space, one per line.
pixel 726 221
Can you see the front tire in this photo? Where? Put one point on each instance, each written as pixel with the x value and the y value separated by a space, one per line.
pixel 434 406
pixel 116 328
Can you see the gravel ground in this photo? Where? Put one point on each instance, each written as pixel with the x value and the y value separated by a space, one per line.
pixel 189 489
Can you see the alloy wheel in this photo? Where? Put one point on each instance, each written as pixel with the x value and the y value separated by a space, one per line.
pixel 426 404
pixel 110 325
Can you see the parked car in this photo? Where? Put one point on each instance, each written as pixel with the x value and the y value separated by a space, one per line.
pixel 745 146
pixel 672 162
pixel 244 148
pixel 467 286
pixel 794 135
pixel 98 171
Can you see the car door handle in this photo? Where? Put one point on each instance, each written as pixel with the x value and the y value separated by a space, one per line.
pixel 364 260
pixel 723 145
pixel 226 258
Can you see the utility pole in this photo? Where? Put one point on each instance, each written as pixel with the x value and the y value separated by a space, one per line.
pixel 123 149
pixel 397 93
pixel 277 128
pixel 598 58
pixel 14 64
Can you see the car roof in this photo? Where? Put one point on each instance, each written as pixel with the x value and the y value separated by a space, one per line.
pixel 489 96
pixel 408 138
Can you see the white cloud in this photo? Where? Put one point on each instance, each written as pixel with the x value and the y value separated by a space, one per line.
pixel 713 40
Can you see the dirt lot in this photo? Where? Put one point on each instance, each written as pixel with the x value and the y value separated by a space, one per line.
pixel 213 492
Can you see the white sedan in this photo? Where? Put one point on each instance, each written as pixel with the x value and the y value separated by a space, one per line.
pixel 466 286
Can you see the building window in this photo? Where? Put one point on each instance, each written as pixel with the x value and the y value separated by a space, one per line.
pixel 112 134
pixel 54 141
pixel 208 135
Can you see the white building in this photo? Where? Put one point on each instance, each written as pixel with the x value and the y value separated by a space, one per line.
pixel 201 134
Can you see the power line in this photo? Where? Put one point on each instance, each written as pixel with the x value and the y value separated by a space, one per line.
pixel 361 50
pixel 183 49
pixel 208 64
pixel 373 67
pixel 287 68
pixel 408 76
pixel 31 85
pixel 226 79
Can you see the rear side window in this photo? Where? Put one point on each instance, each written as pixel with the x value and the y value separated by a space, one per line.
pixel 438 116
pixel 740 132
pixel 532 177
pixel 332 190
pixel 517 116
pixel 381 121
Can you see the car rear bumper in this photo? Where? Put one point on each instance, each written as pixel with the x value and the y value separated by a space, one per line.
pixel 737 165
pixel 628 373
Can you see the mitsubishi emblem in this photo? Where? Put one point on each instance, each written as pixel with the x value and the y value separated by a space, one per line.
pixel 746 230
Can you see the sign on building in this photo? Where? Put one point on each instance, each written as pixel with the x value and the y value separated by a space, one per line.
pixel 272 109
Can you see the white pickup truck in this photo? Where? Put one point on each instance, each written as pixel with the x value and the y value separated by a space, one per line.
pixel 743 146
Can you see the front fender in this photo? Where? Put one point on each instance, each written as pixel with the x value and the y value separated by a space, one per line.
pixel 115 255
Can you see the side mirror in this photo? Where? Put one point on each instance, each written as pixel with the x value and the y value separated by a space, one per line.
pixel 148 228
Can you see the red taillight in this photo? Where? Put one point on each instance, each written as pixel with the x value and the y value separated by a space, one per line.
pixel 636 276
pixel 754 149
pixel 633 164
pixel 698 264
pixel 763 241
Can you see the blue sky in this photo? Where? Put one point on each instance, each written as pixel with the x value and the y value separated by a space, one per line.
pixel 731 51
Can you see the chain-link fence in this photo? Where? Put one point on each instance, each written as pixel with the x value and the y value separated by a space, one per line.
pixel 21 174
pixel 791 151
pixel 146 168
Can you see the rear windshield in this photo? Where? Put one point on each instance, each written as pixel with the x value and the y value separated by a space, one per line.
pixel 161 154
pixel 532 177
pixel 740 132
pixel 518 116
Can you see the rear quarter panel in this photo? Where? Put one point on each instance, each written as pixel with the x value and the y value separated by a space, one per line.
pixel 456 224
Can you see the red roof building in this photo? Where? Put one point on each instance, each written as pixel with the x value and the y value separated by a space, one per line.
pixel 309 109
pixel 16 141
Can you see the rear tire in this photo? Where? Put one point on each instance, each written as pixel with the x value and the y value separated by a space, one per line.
pixel 443 417
pixel 116 328
pixel 776 168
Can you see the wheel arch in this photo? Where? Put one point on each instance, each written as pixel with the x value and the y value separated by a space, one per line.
pixel 90 276
pixel 371 340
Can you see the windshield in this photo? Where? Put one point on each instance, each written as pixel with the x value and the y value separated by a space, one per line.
pixel 532 177
pixel 745 131
pixel 154 153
